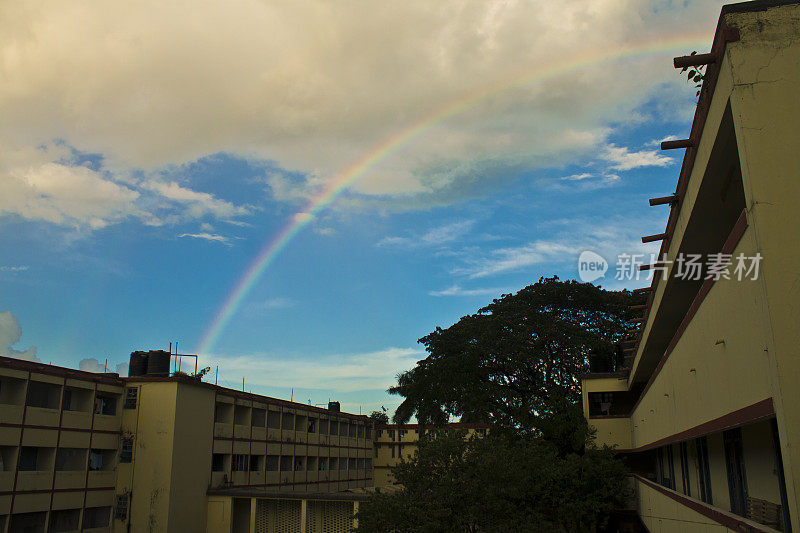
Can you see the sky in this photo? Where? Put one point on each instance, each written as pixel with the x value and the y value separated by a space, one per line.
pixel 298 191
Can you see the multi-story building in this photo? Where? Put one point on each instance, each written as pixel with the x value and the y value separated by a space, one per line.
pixel 393 442
pixel 707 410
pixel 96 452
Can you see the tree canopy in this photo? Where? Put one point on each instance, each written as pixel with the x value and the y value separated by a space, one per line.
pixel 516 361
pixel 500 483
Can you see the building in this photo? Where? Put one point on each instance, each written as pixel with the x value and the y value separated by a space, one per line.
pixel 393 442
pixel 707 409
pixel 96 452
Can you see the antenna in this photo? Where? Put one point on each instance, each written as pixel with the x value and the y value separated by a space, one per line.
pixel 216 375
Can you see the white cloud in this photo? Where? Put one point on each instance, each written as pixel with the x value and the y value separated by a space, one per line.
pixel 91 364
pixel 14 268
pixel 457 290
pixel 342 373
pixel 437 236
pixel 578 177
pixel 657 142
pixel 10 334
pixel 316 88
pixel 516 258
pixel 197 203
pixel 623 159
pixel 213 237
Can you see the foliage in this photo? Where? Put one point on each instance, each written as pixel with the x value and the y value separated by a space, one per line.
pixel 380 416
pixel 696 75
pixel 500 483
pixel 517 361
pixel 199 375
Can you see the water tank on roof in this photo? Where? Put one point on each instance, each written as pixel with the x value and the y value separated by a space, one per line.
pixel 158 363
pixel 334 406
pixel 138 364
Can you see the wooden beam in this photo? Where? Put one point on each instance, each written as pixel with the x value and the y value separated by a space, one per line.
pixel 637 307
pixel 642 290
pixel 680 143
pixel 694 60
pixel 653 238
pixel 671 200
pixel 637 320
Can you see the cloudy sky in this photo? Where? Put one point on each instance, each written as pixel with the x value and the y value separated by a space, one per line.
pixel 150 150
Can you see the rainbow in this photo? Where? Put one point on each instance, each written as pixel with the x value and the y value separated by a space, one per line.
pixel 358 168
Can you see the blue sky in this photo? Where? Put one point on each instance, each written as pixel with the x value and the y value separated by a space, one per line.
pixel 144 164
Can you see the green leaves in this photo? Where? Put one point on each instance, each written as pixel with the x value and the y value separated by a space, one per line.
pixel 695 75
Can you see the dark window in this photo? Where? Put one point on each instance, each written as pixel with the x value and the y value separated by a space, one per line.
pixel 286 463
pixel 321 463
pixel 28 456
pixel 131 395
pixel 255 463
pixel 96 517
pixel 323 426
pixel 685 470
pixel 360 464
pixel 45 395
pixel 334 429
pixel 239 463
pixel 343 463
pixel 126 452
pixel 274 420
pixel 258 417
pixel 26 522
pixel 391 447
pixel 344 429
pixel 65 520
pixel 105 405
pixel 271 463
pixel 101 459
pixel 360 431
pixel 734 464
pixel 703 471
pixel 368 432
pixel 368 463
pixel 353 430
pixel 71 459
pixel 390 432
pixel 312 425
pixel 298 463
pixel 351 463
pixel 288 421
pixel 666 467
pixel 121 507
pixel 218 462
pixel 378 433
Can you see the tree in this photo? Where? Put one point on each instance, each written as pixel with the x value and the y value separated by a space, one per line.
pixel 500 483
pixel 516 361
pixel 380 416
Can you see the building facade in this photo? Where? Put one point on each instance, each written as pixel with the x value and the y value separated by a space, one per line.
pixel 707 409
pixel 95 452
pixel 394 442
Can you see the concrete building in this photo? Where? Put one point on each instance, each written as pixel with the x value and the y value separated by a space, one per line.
pixel 96 452
pixel 707 410
pixel 393 442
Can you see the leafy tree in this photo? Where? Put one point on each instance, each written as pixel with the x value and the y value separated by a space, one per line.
pixel 380 416
pixel 500 483
pixel 516 362
pixel 196 376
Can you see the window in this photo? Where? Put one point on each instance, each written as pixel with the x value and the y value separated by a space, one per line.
pixel 321 464
pixel 121 507
pixel 223 412
pixel 360 431
pixel 300 423
pixel 65 520
pixel 734 464
pixel 360 464
pixel 299 463
pixel 105 405
pixel 131 395
pixel 666 468
pixel 703 471
pixel 102 459
pixel 368 463
pixel 343 463
pixel 368 432
pixel 271 463
pixel 685 484
pixel 286 463
pixel 288 421
pixel 28 456
pixel 274 420
pixel 401 433
pixel 344 429
pixel 312 425
pixel 218 462
pixel 44 395
pixel 352 431
pixel 378 433
pixel 390 433
pixel 351 463
pixel 334 430
pixel 323 426
pixel 96 517
pixel 126 452
pixel 258 417
pixel 391 447
pixel 255 463
pixel 334 463
pixel 311 463
pixel 28 522
pixel 239 463
pixel 7 454
pixel 71 459
pixel 241 415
